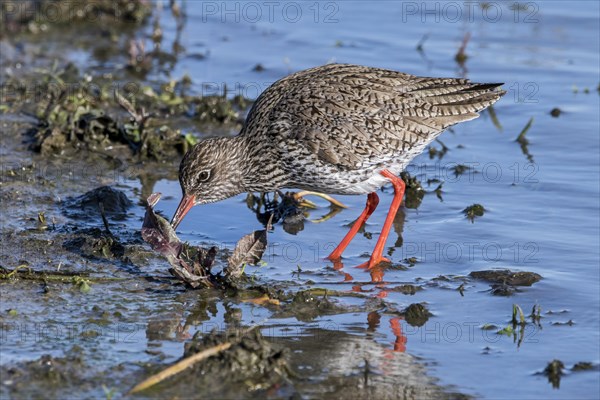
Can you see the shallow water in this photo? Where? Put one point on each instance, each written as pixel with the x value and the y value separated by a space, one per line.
pixel 542 216
pixel 542 208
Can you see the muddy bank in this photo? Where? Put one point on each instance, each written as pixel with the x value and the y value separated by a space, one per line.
pixel 90 310
pixel 83 146
pixel 103 313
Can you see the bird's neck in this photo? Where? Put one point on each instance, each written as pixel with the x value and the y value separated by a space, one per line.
pixel 237 160
pixel 251 162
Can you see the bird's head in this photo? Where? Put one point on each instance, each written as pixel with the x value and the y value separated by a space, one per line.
pixel 208 173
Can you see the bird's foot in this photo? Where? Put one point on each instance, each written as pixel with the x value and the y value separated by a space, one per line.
pixel 333 257
pixel 336 261
pixel 373 262
pixel 375 267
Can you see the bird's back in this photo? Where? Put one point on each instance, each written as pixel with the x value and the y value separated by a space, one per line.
pixel 334 126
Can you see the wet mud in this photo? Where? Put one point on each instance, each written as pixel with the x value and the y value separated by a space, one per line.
pixel 96 298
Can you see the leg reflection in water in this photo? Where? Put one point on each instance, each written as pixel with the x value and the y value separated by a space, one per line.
pixel 399 345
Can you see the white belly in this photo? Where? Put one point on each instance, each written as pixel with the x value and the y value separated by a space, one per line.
pixel 372 184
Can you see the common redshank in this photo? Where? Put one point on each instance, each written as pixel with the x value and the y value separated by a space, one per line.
pixel 336 129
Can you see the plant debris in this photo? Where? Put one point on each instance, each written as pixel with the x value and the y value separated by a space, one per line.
pixel 284 207
pixel 522 140
pixel 306 305
pixel 506 276
pixel 192 264
pixel 251 355
pixel 473 211
pixel 81 111
pixel 36 17
pixel 73 120
pixel 249 250
pixel 414 192
pixel 207 357
pixel 461 55
pixel 93 243
pixel 407 289
pixel 460 169
pixel 554 371
pixel 416 314
pixel 505 282
pixel 584 366
pixel 434 152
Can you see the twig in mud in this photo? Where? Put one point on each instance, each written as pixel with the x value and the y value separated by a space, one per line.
pixel 14 272
pixel 178 367
pixel 104 220
pixel 317 291
pixel 141 117
pixel 123 102
pixel 53 99
pixel 58 276
pixel 185 364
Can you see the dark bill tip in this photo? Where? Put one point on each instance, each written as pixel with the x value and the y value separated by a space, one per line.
pixel 186 203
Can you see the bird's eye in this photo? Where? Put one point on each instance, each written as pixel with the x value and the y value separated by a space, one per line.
pixel 203 176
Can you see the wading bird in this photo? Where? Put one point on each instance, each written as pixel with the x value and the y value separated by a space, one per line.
pixel 335 129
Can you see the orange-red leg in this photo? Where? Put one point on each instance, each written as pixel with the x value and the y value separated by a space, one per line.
pixel 377 257
pixel 372 202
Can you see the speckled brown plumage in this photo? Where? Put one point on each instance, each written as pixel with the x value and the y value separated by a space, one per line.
pixel 330 129
pixel 340 129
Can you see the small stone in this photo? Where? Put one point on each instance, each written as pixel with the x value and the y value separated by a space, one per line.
pixel 555 112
